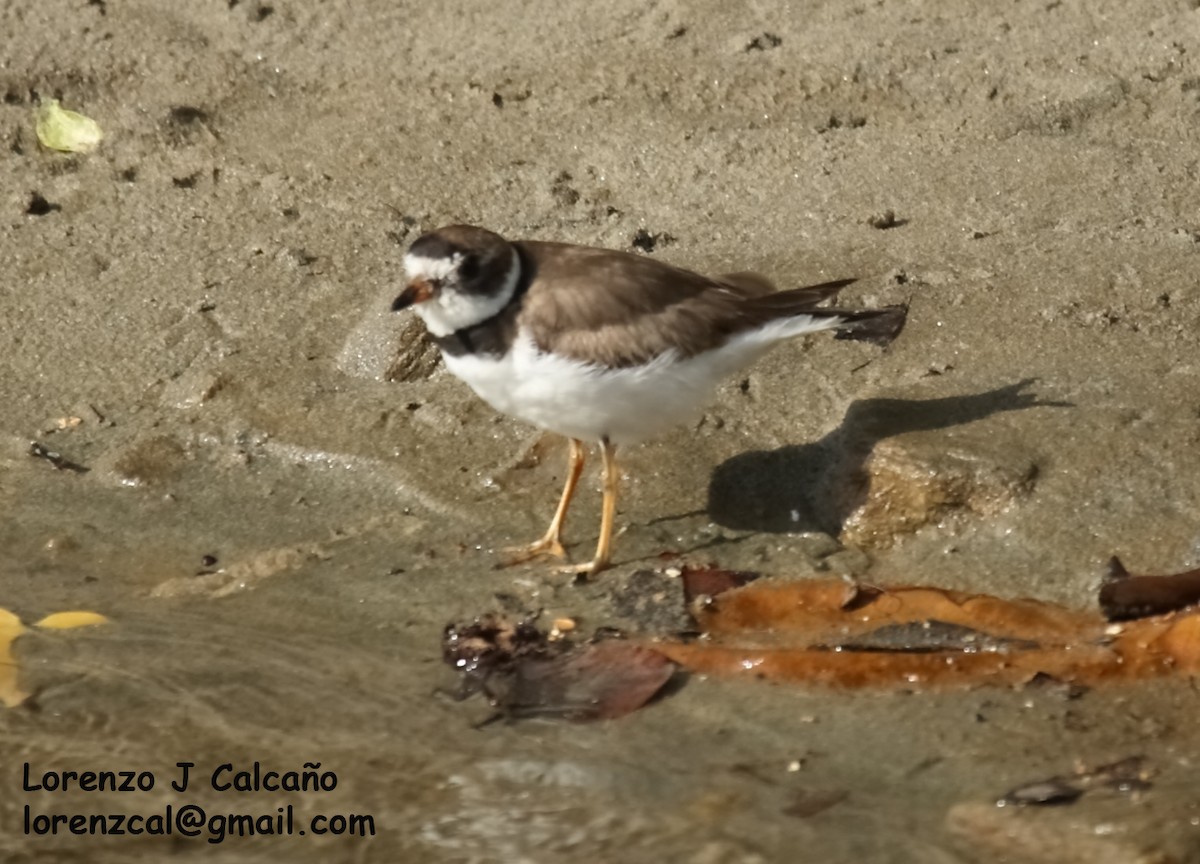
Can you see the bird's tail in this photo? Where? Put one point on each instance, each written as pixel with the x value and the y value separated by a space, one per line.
pixel 877 326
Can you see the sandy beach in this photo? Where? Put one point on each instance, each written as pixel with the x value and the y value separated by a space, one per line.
pixel 276 494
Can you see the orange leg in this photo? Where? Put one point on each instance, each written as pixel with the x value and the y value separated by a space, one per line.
pixel 612 480
pixel 551 543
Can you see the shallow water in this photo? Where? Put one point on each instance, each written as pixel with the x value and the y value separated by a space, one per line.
pixel 333 658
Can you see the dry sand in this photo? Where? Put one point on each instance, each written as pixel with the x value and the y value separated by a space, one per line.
pixel 207 294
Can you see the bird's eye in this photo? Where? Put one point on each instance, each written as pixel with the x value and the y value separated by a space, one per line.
pixel 469 268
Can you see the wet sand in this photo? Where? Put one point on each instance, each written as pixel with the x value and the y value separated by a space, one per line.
pixel 199 318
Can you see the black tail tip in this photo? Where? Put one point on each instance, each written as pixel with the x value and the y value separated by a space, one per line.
pixel 877 326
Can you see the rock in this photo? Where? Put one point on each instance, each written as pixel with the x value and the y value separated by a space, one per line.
pixel 386 346
pixel 924 478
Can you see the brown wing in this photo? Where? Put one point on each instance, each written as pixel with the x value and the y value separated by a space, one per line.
pixel 620 309
pixel 748 284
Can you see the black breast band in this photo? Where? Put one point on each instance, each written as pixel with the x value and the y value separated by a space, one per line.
pixel 491 337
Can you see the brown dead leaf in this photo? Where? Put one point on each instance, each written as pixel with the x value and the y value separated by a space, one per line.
pixel 602 681
pixel 1124 596
pixel 924 637
pixel 524 672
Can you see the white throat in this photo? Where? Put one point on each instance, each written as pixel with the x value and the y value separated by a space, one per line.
pixel 453 309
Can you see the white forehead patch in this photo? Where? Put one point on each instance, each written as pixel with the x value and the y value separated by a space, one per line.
pixel 423 267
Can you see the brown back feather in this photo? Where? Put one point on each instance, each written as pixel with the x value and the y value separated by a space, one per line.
pixel 621 310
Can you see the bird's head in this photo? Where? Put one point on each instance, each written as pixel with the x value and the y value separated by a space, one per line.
pixel 458 276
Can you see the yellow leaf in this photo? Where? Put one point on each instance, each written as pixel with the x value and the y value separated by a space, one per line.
pixel 11 627
pixel 10 690
pixel 67 620
pixel 60 129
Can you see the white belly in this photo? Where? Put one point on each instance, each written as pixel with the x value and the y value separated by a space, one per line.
pixel 591 402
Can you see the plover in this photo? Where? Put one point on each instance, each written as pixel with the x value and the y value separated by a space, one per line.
pixel 602 346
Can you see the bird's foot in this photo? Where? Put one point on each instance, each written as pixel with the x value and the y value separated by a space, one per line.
pixel 591 568
pixel 547 546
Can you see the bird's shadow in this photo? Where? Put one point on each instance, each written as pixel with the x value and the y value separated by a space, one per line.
pixel 796 488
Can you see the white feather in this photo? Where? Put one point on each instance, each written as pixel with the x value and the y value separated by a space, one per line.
pixel 627 405
pixel 433 269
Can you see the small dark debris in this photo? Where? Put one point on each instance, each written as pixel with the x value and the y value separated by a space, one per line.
pixel 411 406
pixel 564 193
pixel 938 369
pixel 1127 776
pixel 290 213
pixel 186 115
pixel 263 12
pixel 1124 597
pixel 12 97
pixel 39 451
pixel 835 122
pixel 188 182
pixel 979 235
pixel 99 4
pixel 39 206
pixel 184 123
pixel 68 165
pixel 499 99
pixel 302 257
pixel 647 242
pixel 206 306
pixel 208 560
pixel 491 643
pixel 129 175
pixel 1043 793
pixel 523 673
pixel 763 43
pixel 678 32
pixel 885 220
